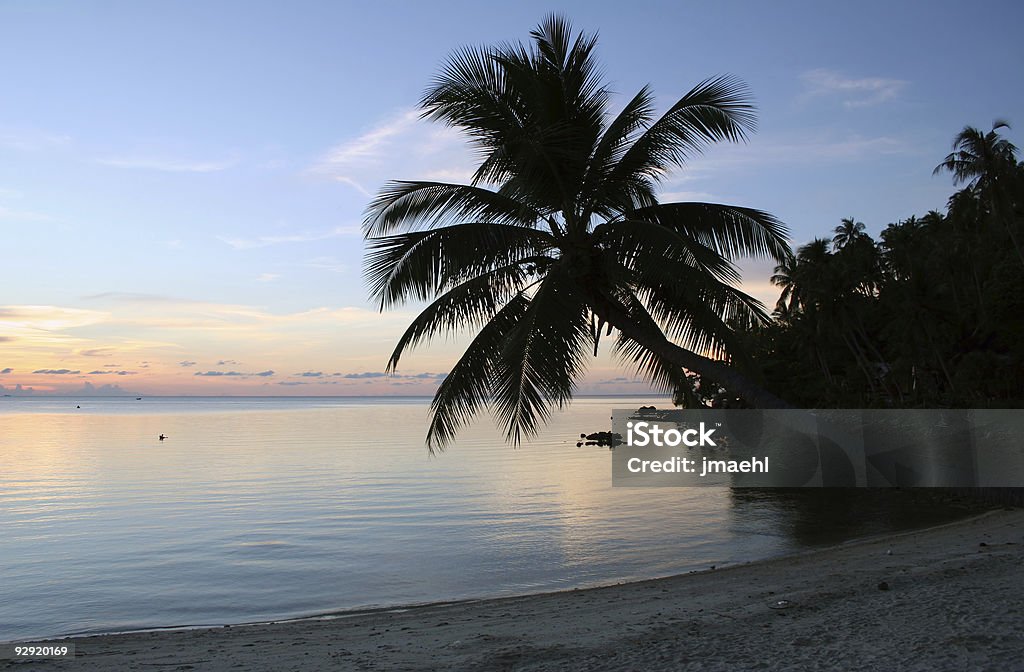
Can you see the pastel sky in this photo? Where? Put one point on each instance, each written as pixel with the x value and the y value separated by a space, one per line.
pixel 182 183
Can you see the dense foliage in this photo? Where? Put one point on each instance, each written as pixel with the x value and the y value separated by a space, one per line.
pixel 929 315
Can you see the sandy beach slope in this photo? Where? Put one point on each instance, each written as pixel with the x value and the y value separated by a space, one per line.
pixel 954 601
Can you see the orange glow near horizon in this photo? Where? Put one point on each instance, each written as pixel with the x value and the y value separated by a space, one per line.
pixel 137 345
pixel 134 344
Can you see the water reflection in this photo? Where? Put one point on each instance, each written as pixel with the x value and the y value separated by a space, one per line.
pixel 262 509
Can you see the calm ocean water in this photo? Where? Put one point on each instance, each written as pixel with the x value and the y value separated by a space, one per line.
pixel 268 508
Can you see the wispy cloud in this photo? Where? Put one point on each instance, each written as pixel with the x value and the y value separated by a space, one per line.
pixel 403 146
pixel 352 183
pixel 46 318
pixel 112 373
pixel 7 370
pixel 168 165
pixel 862 92
pixel 56 372
pixel 298 237
pixel 96 352
pixel 186 364
pixel 233 374
pixel 381 374
pixel 110 389
pixel 131 311
pixel 370 146
pixel 87 390
pixel 371 375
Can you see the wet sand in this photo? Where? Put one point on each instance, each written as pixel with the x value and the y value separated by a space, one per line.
pixel 946 598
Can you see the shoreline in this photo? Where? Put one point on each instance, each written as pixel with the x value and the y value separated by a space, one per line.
pixel 353 612
pixel 341 614
pixel 950 585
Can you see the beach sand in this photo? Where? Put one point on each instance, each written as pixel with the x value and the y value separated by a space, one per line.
pixel 952 599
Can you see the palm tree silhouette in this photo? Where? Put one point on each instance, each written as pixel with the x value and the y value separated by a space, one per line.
pixel 785 276
pixel 848 232
pixel 987 164
pixel 979 159
pixel 560 235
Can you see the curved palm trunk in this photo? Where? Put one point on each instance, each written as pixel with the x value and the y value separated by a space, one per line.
pixel 732 379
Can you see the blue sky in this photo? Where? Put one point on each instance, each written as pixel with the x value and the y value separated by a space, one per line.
pixel 183 182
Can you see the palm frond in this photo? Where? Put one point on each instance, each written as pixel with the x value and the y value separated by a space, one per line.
pixel 466 388
pixel 468 305
pixel 639 243
pixel 717 109
pixel 730 230
pixel 472 94
pixel 542 357
pixel 421 264
pixel 664 375
pixel 701 319
pixel 414 205
pixel 979 157
pixel 571 62
pixel 694 309
pixel 533 114
pixel 614 142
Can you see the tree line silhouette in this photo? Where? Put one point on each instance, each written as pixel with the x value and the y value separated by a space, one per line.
pixel 929 315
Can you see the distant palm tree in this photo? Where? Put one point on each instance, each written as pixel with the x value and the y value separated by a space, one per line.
pixel 560 234
pixel 848 232
pixel 785 276
pixel 979 159
pixel 806 278
pixel 987 163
